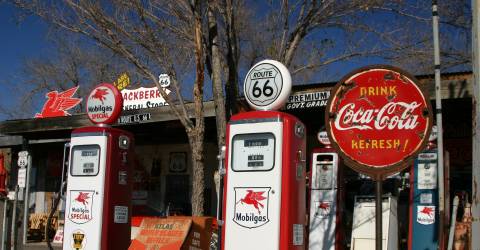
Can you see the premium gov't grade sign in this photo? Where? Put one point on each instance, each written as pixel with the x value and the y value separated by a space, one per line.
pixel 378 119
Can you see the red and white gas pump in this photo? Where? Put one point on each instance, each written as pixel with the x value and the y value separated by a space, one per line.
pixel 326 199
pixel 98 201
pixel 264 186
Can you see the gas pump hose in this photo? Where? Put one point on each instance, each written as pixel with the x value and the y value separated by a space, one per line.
pixel 50 215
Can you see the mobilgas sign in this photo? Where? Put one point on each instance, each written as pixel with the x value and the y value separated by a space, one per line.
pixel 378 119
pixel 307 100
pixel 58 103
pixel 143 98
pixel 104 104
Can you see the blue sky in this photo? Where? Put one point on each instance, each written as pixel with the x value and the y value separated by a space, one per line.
pixel 28 39
pixel 19 40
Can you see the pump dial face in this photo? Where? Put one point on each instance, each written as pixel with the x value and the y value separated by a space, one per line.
pixel 253 152
pixel 85 160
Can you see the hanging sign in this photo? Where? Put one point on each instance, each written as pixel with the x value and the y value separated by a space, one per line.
pixel 308 100
pixel 143 98
pixel 104 104
pixel 267 85
pixel 378 119
pixel 322 137
pixel 58 103
pixel 122 82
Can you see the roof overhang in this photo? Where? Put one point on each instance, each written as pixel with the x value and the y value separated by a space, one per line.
pixel 159 114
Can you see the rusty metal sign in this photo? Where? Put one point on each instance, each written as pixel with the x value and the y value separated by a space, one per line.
pixel 378 119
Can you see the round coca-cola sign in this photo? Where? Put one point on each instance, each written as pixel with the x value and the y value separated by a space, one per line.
pixel 104 104
pixel 378 119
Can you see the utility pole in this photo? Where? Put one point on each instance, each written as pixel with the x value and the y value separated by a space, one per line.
pixel 438 112
pixel 476 127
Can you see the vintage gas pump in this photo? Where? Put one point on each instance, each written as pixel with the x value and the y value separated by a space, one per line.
pixel 264 186
pixel 326 198
pixel 424 216
pixel 98 195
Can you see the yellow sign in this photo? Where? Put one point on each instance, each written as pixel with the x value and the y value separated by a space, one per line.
pixel 78 237
pixel 122 82
pixel 162 233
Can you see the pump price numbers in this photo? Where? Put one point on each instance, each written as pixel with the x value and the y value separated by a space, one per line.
pixel 253 152
pixel 255 160
pixel 256 143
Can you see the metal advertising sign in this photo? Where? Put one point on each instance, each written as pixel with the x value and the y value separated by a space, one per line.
pixel 426 215
pixel 58 103
pixel 251 208
pixel 378 119
pixel 143 98
pixel 322 137
pixel 104 104
pixel 308 100
pixel 81 203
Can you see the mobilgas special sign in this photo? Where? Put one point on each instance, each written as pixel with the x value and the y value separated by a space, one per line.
pixel 308 100
pixel 104 104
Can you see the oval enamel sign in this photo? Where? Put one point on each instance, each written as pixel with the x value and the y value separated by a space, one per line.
pixel 104 104
pixel 378 119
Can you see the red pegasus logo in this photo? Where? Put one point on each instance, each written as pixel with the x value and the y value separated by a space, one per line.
pixel 428 211
pixel 324 206
pixel 253 198
pixel 57 103
pixel 83 198
pixel 100 94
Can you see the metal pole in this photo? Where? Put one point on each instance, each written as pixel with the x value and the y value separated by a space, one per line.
pixel 5 222
pixel 378 216
pixel 476 126
pixel 438 111
pixel 452 223
pixel 13 232
pixel 26 200
pixel 221 172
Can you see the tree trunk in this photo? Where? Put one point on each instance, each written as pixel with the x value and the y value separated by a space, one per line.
pixel 198 175
pixel 231 86
pixel 196 135
pixel 217 87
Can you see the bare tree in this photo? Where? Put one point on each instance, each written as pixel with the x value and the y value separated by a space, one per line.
pixel 155 37
pixel 181 37
pixel 455 39
pixel 68 65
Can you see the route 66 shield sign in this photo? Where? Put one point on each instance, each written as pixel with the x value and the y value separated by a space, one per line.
pixel 267 85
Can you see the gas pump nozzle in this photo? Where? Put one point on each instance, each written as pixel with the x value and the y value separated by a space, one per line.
pixel 63 183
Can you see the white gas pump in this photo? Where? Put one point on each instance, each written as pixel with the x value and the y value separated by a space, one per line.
pixel 264 194
pixel 326 199
pixel 98 195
